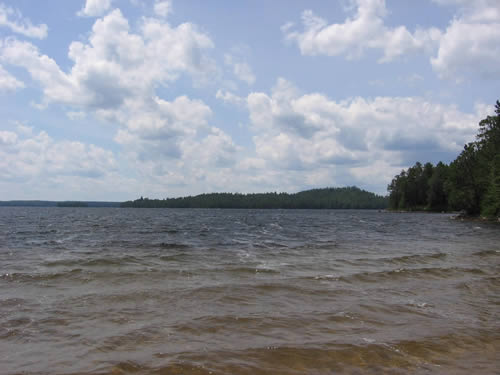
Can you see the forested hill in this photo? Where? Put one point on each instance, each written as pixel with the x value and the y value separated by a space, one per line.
pixel 339 198
pixel 470 183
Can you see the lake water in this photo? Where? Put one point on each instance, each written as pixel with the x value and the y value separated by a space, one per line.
pixel 164 291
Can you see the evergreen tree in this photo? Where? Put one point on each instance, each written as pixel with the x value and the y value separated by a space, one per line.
pixel 466 181
pixel 470 183
pixel 491 203
pixel 488 137
pixel 436 196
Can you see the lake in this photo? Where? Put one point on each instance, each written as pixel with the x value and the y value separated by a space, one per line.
pixel 193 291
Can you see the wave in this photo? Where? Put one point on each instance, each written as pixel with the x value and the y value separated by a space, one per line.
pixel 416 259
pixel 448 354
pixel 397 260
pixel 84 275
pixel 36 277
pixel 247 269
pixel 401 273
pixel 95 262
pixel 171 245
pixel 487 253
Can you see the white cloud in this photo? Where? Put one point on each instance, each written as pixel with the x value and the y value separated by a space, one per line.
pixel 470 46
pixel 94 8
pixel 157 129
pixel 116 64
pixel 163 8
pixel 24 156
pixel 310 132
pixel 230 98
pixel 34 165
pixel 115 76
pixel 13 20
pixel 7 138
pixel 8 82
pixel 24 130
pixel 364 31
pixel 204 164
pixel 55 84
pixel 76 115
pixel 217 149
pixel 241 70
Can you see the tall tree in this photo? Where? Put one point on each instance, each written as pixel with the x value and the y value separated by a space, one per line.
pixel 436 196
pixel 491 203
pixel 471 182
pixel 466 183
pixel 488 138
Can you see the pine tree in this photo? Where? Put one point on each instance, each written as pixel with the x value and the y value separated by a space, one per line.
pixel 491 203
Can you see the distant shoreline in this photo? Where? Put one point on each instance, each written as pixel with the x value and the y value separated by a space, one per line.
pixel 454 215
pixel 350 197
pixel 326 198
pixel 42 203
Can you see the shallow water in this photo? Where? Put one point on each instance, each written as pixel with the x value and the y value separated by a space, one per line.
pixel 115 291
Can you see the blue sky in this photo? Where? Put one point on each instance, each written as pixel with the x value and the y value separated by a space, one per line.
pixel 114 99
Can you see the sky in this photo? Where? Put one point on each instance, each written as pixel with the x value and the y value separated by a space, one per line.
pixel 115 99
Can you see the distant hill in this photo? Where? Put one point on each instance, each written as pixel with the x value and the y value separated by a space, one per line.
pixel 28 203
pixel 327 198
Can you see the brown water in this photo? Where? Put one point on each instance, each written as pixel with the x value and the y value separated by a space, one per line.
pixel 118 291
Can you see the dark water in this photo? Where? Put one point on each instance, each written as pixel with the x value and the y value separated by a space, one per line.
pixel 115 291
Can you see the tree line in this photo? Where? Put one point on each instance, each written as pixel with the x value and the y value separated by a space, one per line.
pixel 327 198
pixel 471 183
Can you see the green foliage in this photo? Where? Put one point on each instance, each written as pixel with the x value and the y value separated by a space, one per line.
pixel 437 198
pixel 488 137
pixel 467 180
pixel 470 183
pixel 411 188
pixel 348 198
pixel 491 202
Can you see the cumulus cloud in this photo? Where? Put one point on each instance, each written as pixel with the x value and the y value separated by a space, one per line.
pixel 172 143
pixel 14 20
pixel 217 149
pixel 8 82
pixel 241 69
pixel 230 98
pixel 116 75
pixel 94 8
pixel 470 45
pixel 25 155
pixel 364 31
pixel 163 7
pixel 116 63
pixel 295 131
pixel 59 169
pixel 156 129
pixel 56 84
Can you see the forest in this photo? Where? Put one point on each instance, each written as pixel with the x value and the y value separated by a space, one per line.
pixel 471 183
pixel 327 198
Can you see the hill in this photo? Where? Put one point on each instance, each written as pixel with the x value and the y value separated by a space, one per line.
pixel 327 198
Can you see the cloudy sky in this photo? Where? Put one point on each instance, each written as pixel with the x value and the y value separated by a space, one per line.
pixel 113 99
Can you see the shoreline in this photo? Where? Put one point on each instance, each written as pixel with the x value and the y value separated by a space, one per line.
pixel 454 215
